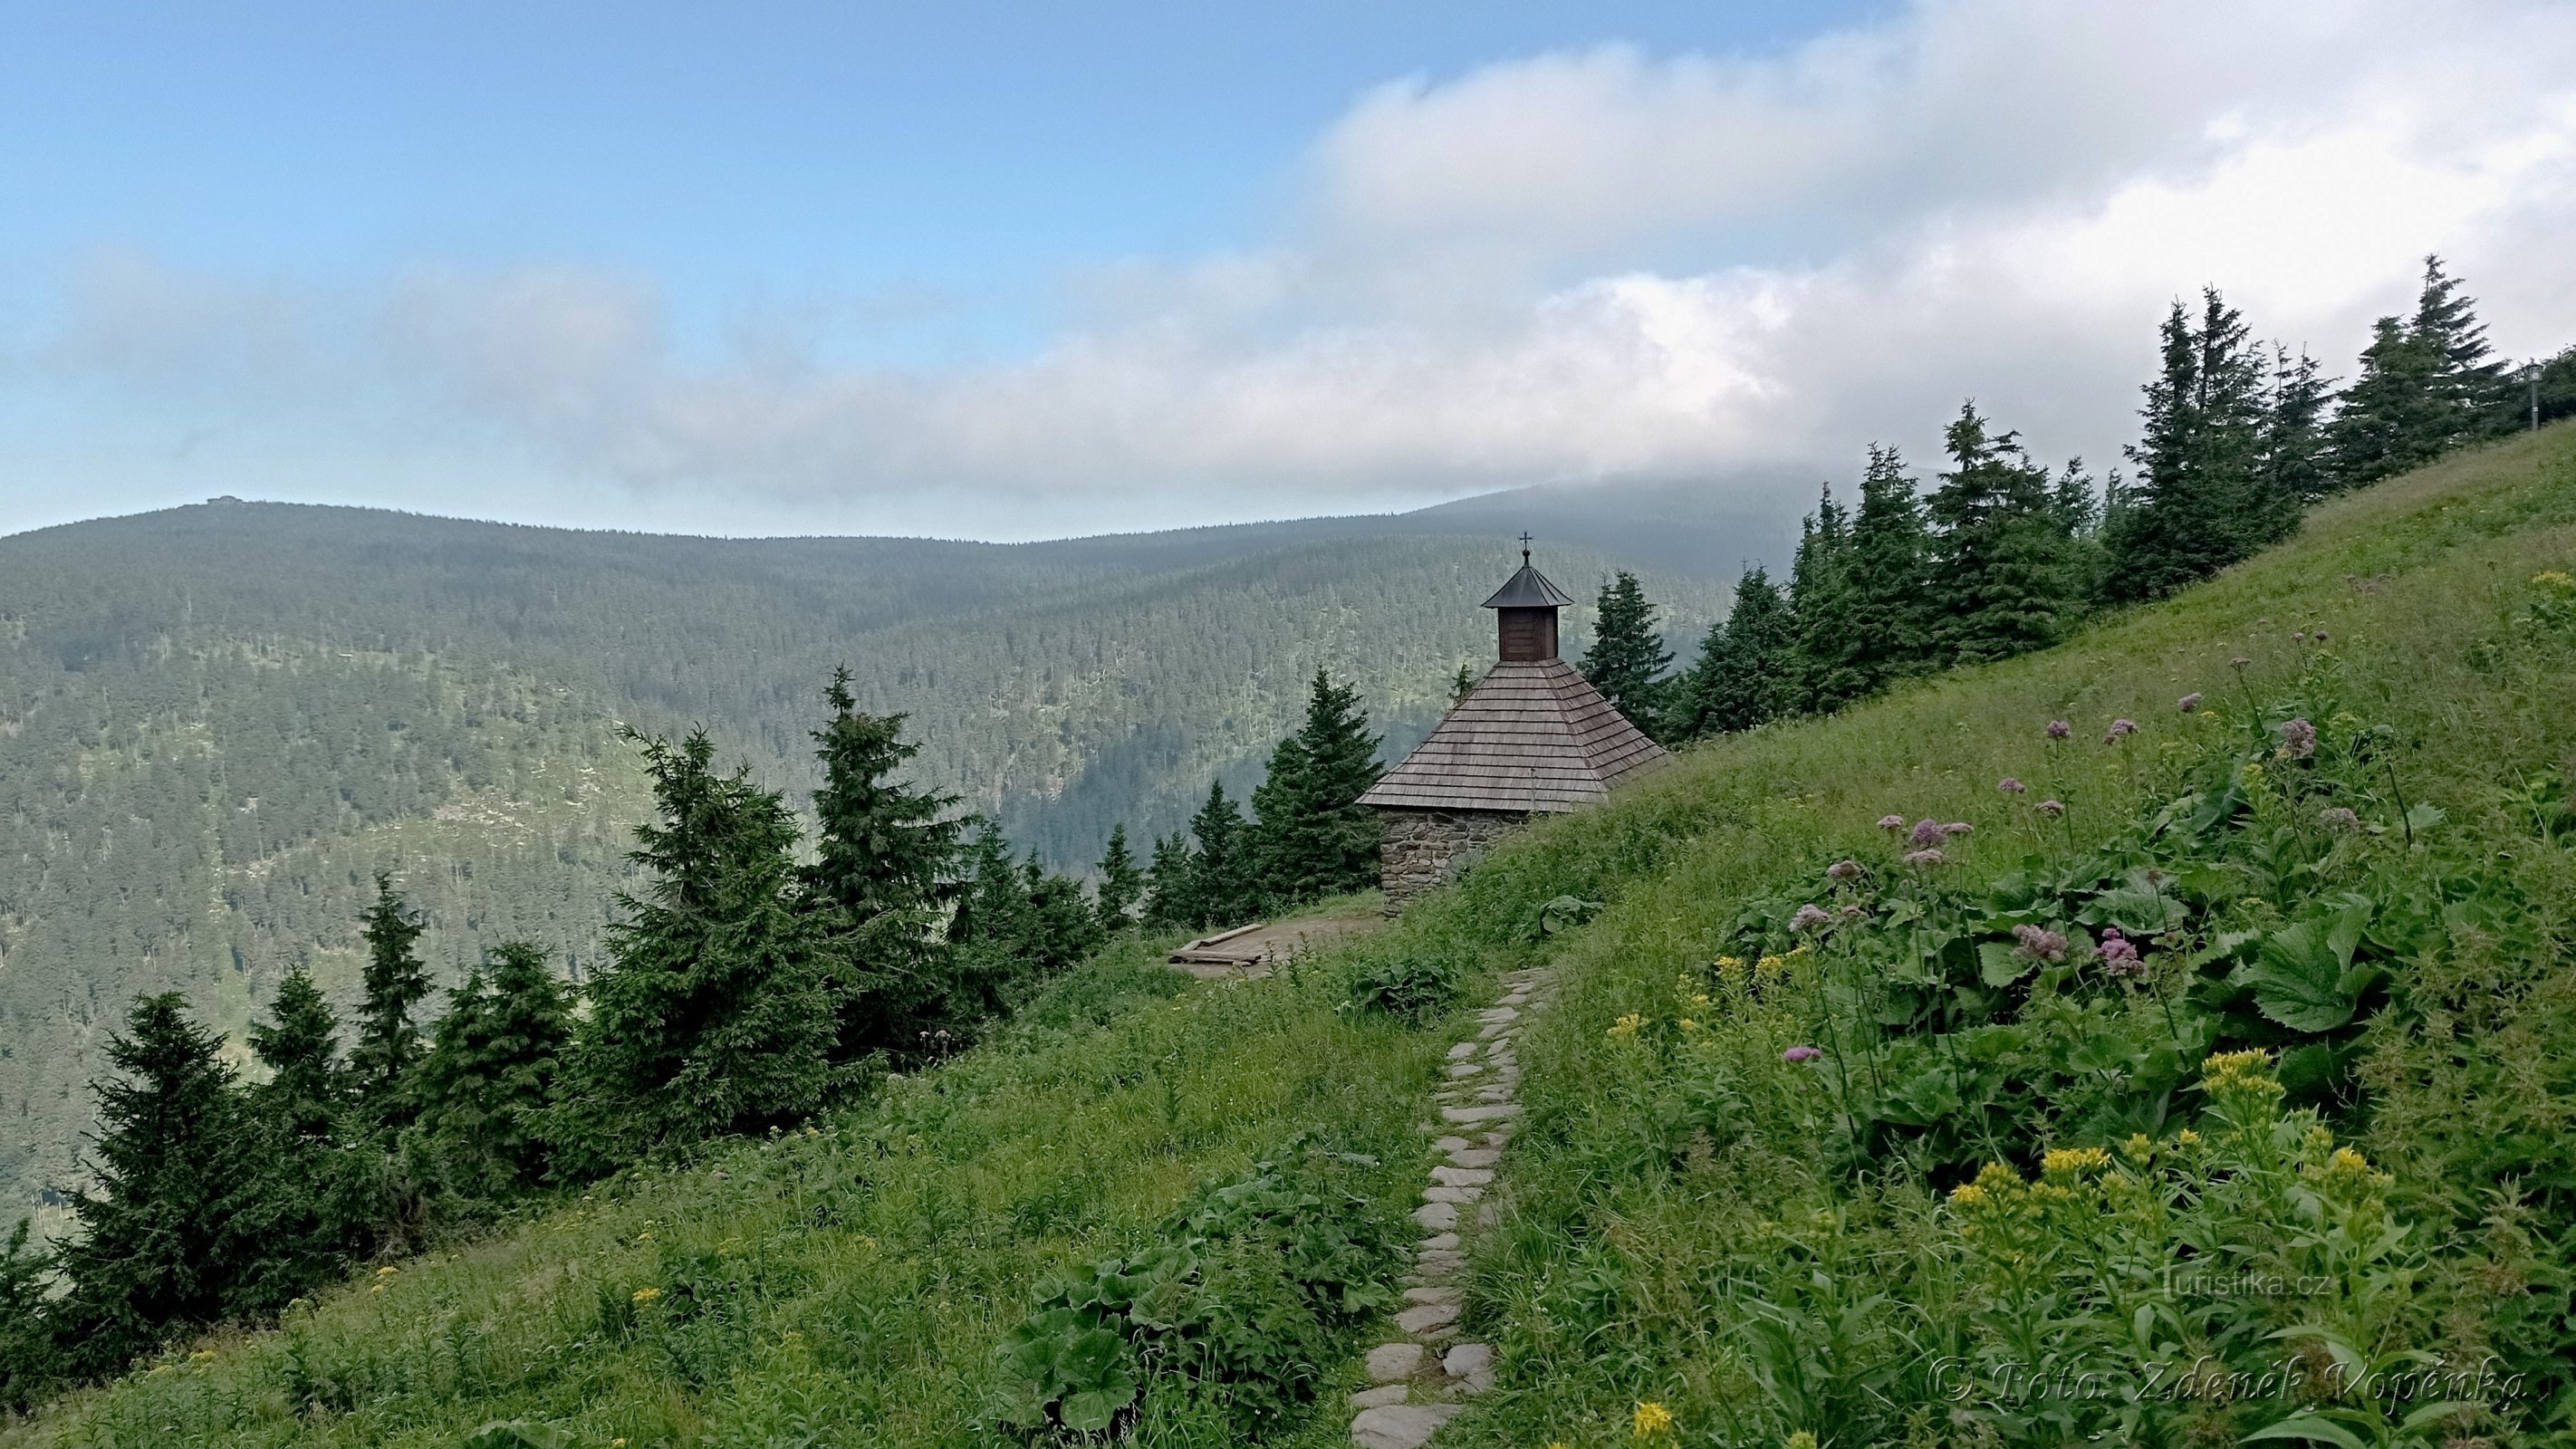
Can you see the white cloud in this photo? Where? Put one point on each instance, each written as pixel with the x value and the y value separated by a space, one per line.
pixel 1597 264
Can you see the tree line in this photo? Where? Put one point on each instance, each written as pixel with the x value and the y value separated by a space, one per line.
pixel 744 990
pixel 2001 556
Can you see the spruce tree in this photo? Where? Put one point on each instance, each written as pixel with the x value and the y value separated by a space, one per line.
pixel 155 1251
pixel 394 982
pixel 2297 464
pixel 1121 886
pixel 30 1362
pixel 488 1085
pixel 1462 686
pixel 1998 559
pixel 1627 660
pixel 2203 496
pixel 879 880
pixel 310 1202
pixel 2470 397
pixel 1819 606
pixel 714 1013
pixel 1745 668
pixel 991 932
pixel 1874 629
pixel 1063 927
pixel 2388 421
pixel 1314 838
pixel 1223 889
pixel 1171 886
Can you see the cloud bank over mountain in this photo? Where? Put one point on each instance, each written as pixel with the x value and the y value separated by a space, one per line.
pixel 1599 264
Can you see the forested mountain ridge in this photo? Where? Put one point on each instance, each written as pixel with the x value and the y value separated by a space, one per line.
pixel 217 722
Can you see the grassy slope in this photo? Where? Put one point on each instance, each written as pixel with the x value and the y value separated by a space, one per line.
pixel 881 1259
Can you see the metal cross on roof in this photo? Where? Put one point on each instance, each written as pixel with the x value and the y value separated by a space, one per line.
pixel 1525 543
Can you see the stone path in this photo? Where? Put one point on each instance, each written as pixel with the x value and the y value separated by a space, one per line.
pixel 1420 1377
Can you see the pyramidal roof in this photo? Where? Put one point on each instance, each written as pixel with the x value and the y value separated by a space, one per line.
pixel 1532 735
pixel 1528 589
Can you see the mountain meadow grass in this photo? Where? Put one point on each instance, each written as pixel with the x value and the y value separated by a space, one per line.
pixel 2289 1011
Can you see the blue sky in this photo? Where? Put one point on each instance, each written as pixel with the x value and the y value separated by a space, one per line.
pixel 1014 270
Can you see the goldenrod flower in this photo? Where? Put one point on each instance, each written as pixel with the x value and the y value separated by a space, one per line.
pixel 647 1295
pixel 2187 1138
pixel 387 1271
pixel 1800 1440
pixel 1626 1026
pixel 1652 1418
pixel 1967 1194
pixel 1687 1024
pixel 2074 1159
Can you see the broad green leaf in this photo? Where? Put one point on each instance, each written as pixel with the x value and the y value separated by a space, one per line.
pixel 2308 1427
pixel 2298 981
pixel 1998 965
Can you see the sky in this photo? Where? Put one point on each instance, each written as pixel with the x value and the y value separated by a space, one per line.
pixel 1025 270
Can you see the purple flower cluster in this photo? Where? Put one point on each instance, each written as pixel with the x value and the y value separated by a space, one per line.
pixel 2119 954
pixel 2298 738
pixel 1854 911
pixel 2188 702
pixel 2010 786
pixel 2039 943
pixel 2059 729
pixel 2119 729
pixel 1928 832
pixel 2339 820
pixel 1926 857
pixel 1891 822
pixel 1800 1054
pixel 2052 808
pixel 1843 870
pixel 1810 918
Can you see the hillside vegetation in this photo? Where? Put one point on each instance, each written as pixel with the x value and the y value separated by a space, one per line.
pixel 217 723
pixel 2216 1081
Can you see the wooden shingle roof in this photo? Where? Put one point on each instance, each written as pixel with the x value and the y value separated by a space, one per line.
pixel 1532 736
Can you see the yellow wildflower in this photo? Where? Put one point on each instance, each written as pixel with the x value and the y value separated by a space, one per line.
pixel 647 1295
pixel 203 1355
pixel 160 1368
pixel 1687 1024
pixel 1731 963
pixel 387 1271
pixel 2227 1067
pixel 1800 1440
pixel 2138 1145
pixel 2074 1159
pixel 2187 1138
pixel 1652 1418
pixel 2553 579
pixel 617 1443
pixel 1967 1194
pixel 1626 1026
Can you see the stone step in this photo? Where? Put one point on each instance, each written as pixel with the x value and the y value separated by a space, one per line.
pixel 1400 1426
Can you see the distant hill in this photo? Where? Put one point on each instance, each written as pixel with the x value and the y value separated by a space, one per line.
pixel 217 722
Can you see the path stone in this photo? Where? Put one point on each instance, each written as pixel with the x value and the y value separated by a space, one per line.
pixel 1462 1176
pixel 1400 1426
pixel 1472 1365
pixel 1440 1264
pixel 1465 1069
pixel 1493 1030
pixel 1491 1112
pixel 1452 1144
pixel 1394 1362
pixel 1474 1156
pixel 1437 1216
pixel 1439 1243
pixel 1439 1193
pixel 1426 1318
pixel 1381 1396
pixel 1434 1293
pixel 1462 1049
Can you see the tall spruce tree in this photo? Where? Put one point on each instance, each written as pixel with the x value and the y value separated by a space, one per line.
pixel 1224 891
pixel 1746 665
pixel 1818 603
pixel 489 1083
pixel 2470 396
pixel 2297 464
pixel 393 984
pixel 1627 660
pixel 879 881
pixel 1315 838
pixel 156 1249
pixel 1877 630
pixel 1999 567
pixel 2387 421
pixel 714 1013
pixel 309 1202
pixel 2202 497
pixel 991 930
pixel 1064 927
pixel 1122 885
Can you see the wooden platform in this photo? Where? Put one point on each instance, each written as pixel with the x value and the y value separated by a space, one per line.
pixel 1248 952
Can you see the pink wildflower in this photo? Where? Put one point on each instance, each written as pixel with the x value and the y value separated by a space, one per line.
pixel 2052 808
pixel 2120 728
pixel 1928 832
pixel 2299 738
pixel 1854 911
pixel 1809 917
pixel 2339 820
pixel 1926 857
pixel 1957 827
pixel 2009 785
pixel 2119 953
pixel 1843 870
pixel 2059 729
pixel 1800 1054
pixel 1891 822
pixel 2188 702
pixel 2039 944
